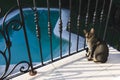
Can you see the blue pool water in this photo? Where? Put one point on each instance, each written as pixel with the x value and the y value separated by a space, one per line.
pixel 18 49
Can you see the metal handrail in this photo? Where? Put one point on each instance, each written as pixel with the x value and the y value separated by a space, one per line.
pixel 89 18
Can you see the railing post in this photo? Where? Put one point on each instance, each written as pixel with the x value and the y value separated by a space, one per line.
pixel 32 72
pixel 87 14
pixel 86 19
pixel 38 29
pixel 108 16
pixel 50 30
pixel 69 25
pixel 78 25
pixel 60 28
pixel 101 18
pixel 95 13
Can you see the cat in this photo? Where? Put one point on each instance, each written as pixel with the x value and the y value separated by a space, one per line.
pixel 97 49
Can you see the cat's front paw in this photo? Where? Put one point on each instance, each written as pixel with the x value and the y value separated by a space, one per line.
pixel 86 55
pixel 90 59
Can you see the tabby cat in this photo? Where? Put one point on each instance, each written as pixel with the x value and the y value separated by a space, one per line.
pixel 97 49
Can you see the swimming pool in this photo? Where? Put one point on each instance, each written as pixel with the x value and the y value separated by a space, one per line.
pixel 18 49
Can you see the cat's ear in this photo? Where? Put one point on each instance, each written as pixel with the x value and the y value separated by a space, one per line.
pixel 84 31
pixel 92 30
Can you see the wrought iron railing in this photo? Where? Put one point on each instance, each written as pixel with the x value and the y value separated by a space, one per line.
pixel 89 13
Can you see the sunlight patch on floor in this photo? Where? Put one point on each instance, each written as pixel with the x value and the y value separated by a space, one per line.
pixel 76 67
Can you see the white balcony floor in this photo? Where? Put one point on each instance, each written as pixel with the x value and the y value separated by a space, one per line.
pixel 76 67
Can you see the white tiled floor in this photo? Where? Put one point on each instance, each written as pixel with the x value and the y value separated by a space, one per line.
pixel 76 67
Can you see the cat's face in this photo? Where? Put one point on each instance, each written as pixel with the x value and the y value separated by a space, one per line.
pixel 89 34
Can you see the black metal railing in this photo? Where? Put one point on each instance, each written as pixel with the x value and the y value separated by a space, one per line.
pixel 84 14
